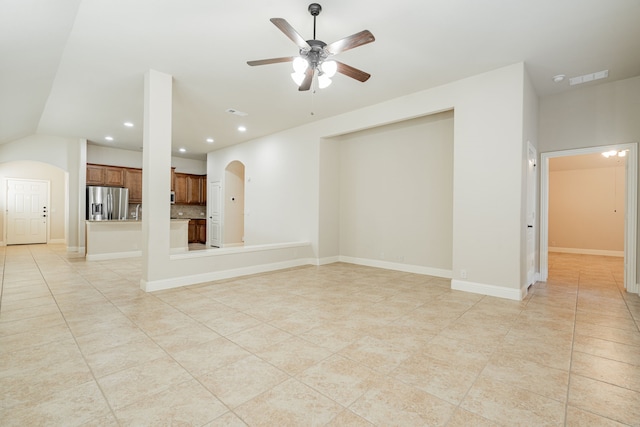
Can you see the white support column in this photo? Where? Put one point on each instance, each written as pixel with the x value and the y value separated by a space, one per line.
pixel 156 174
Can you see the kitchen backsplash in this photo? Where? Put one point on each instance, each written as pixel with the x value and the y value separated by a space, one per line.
pixel 188 211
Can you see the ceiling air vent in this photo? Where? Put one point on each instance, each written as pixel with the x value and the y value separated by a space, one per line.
pixel 589 77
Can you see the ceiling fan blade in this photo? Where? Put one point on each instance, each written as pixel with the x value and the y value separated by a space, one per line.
pixel 352 72
pixel 355 40
pixel 308 78
pixel 271 61
pixel 288 31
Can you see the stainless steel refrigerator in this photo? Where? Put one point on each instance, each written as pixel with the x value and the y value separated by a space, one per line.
pixel 107 203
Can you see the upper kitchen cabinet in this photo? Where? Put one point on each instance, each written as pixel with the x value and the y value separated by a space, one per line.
pixel 190 189
pixel 133 181
pixel 105 175
pixel 180 181
pixel 193 190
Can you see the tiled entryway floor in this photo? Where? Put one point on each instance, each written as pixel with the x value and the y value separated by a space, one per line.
pixel 338 345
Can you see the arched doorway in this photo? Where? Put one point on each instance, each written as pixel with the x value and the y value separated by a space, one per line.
pixel 233 234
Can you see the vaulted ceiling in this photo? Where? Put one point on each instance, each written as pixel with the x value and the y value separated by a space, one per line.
pixel 74 68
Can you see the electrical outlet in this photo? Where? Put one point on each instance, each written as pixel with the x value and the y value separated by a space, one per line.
pixel 463 274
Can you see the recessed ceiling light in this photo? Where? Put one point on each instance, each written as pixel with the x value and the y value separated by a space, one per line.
pixel 210 140
pixel 236 112
pixel 182 150
pixel 108 138
pixel 242 128
pixel 128 124
pixel 559 78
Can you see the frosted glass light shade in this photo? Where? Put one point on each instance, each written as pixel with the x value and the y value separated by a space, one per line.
pixel 298 78
pixel 323 81
pixel 300 65
pixel 329 68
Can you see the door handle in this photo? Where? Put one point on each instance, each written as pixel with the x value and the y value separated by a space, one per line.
pixel 529 226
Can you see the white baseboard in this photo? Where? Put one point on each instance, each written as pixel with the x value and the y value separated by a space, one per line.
pixel 232 245
pixel 491 290
pixel 113 255
pixel 587 251
pixel 176 282
pixel 56 241
pixel 324 261
pixel 409 268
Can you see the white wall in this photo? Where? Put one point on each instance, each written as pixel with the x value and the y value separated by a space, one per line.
pixel 586 210
pixel 283 188
pixel 133 159
pixel 396 193
pixel 328 231
pixel 529 135
pixel 592 116
pixel 66 154
pixel 280 186
pixel 487 176
pixel 234 203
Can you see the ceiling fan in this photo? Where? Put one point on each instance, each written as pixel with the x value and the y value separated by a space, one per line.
pixel 315 54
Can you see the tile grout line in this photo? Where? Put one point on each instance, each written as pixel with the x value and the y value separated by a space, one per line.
pixel 573 340
pixel 95 379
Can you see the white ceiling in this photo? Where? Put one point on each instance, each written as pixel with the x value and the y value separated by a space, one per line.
pixel 74 68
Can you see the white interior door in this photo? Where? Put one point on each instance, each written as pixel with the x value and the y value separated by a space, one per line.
pixel 532 159
pixel 27 211
pixel 214 202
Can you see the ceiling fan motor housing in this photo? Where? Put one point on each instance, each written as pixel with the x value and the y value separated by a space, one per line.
pixel 315 9
pixel 316 54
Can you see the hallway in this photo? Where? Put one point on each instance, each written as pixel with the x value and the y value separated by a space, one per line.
pixel 336 345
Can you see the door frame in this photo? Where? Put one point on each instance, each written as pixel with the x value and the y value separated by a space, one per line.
pixel 5 226
pixel 631 208
pixel 531 194
pixel 211 187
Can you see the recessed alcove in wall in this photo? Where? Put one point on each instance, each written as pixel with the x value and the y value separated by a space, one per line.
pixel 396 193
pixel 233 204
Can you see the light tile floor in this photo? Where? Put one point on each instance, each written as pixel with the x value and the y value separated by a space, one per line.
pixel 338 345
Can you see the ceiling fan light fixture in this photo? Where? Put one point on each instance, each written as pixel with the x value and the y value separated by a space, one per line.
pixel 329 68
pixel 300 65
pixel 297 78
pixel 323 81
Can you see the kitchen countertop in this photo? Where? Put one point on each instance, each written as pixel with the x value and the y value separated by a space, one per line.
pixel 130 220
pixel 187 217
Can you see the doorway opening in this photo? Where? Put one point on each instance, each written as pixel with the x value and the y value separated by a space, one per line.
pixel 629 208
pixel 233 219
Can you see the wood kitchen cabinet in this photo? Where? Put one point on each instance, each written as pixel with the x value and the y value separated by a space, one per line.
pixel 105 175
pixel 133 181
pixel 193 190
pixel 201 229
pixel 190 189
pixel 181 188
pixel 197 231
